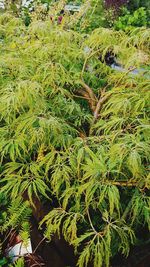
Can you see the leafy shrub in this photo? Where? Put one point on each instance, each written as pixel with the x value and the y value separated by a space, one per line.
pixel 127 20
pixel 112 10
pixel 74 130
pixel 135 4
pixel 94 17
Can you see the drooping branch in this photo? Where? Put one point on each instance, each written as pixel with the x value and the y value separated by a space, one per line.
pixel 38 210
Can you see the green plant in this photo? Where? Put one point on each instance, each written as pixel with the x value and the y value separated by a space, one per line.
pixel 74 130
pixel 135 4
pixel 14 217
pixel 18 263
pixel 3 261
pixel 128 20
pixel 94 16
pixel 89 17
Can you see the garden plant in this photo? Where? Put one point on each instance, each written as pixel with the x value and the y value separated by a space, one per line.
pixel 74 134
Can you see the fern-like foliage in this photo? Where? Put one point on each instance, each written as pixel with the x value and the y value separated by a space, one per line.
pixel 17 214
pixel 18 263
pixel 73 129
pixel 14 218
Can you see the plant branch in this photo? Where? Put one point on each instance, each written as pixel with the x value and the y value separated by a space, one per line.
pixel 90 221
pixel 41 241
pixel 122 183
pixel 88 94
pixel 123 76
pixel 86 60
pixel 100 103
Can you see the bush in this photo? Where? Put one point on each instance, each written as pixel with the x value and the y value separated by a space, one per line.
pixel 128 20
pixel 135 4
pixel 75 134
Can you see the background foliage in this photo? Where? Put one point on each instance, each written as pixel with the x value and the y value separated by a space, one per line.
pixel 93 13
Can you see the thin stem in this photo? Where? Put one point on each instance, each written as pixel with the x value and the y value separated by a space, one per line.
pixel 90 221
pixel 41 241
pixel 87 58
pixel 126 73
pixel 123 183
pixel 6 237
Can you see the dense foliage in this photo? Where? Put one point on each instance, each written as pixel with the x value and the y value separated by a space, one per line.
pixel 75 134
pixel 129 20
pixel 121 14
